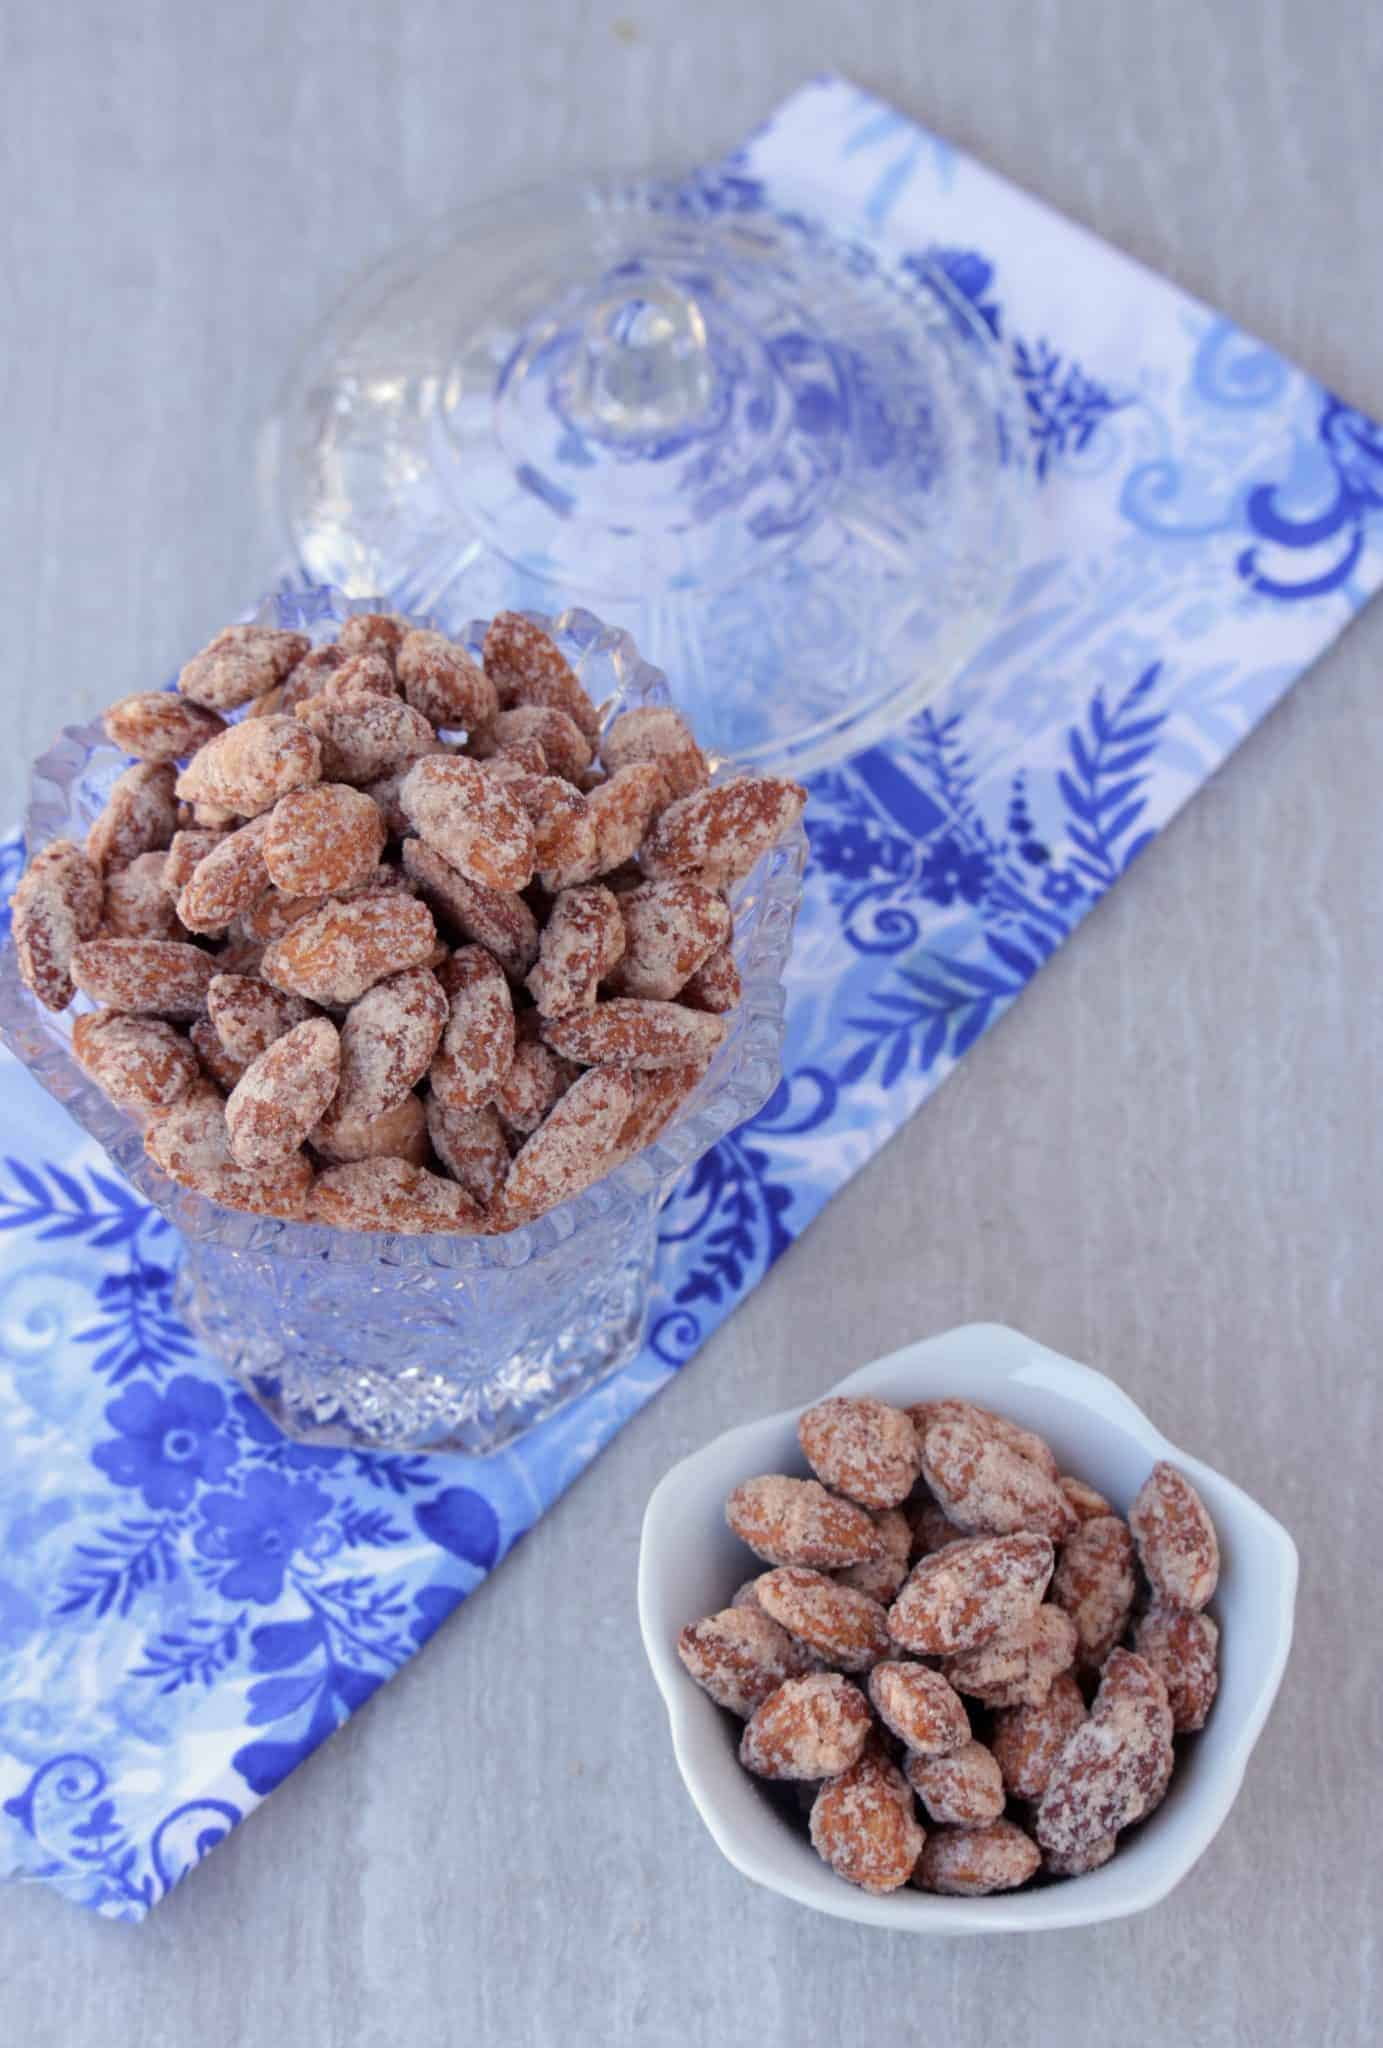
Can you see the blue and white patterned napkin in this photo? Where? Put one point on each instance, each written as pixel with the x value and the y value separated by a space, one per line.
pixel 189 1604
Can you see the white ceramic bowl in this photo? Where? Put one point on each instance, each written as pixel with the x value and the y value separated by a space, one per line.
pixel 690 1565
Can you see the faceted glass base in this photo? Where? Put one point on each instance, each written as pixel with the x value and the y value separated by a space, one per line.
pixel 791 467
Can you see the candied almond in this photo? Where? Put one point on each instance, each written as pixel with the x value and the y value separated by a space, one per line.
pixel 334 954
pixel 1084 1502
pixel 630 1031
pixel 716 835
pixel 1094 1582
pixel 156 977
pixel 241 663
pixel 1017 1668
pixel 1076 1862
pixel 796 1521
pixel 739 1657
pixel 1026 1442
pixel 472 1146
pixel 158 725
pixel 972 1591
pixel 622 809
pixel 526 666
pixel 367 674
pixel 861 1447
pixel 571 1147
pixel 372 633
pixel 715 986
pixel 811 1727
pixel 187 849
pixel 1113 1766
pixel 497 919
pixel 919 1707
pixel 880 1577
pixel 1027 1741
pixel 400 1133
pixel 228 881
pixel 1176 1540
pixel 656 733
pixel 140 816
pixel 477 1046
pixel 281 1095
pixel 216 1063
pixel 968 1863
pixel 930 1528
pixel 471 819
pixel 57 906
pixel 442 681
pixel 659 1094
pixel 536 1079
pixel 565 747
pixel 137 905
pixel 986 1487
pixel 249 1015
pixel 1182 1646
pixel 670 928
pixel 580 944
pixel 140 1062
pixel 362 737
pixel 323 839
pixel 846 1627
pixel 249 766
pixel 962 1788
pixel 864 1825
pixel 190 1143
pixel 564 843
pixel 387 1042
pixel 390 1194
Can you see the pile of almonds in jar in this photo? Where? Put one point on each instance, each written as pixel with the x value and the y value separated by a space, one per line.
pixel 949 1622
pixel 386 938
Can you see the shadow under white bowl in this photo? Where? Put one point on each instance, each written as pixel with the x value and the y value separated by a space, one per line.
pixel 690 1565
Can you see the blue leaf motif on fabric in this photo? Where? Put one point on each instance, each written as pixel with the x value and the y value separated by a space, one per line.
pixel 257 1531
pixel 167 1444
pixel 463 1522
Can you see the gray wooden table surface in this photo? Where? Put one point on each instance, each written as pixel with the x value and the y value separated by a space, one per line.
pixel 1166 1160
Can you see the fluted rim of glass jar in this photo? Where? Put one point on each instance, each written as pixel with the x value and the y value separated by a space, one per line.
pixel 740 1080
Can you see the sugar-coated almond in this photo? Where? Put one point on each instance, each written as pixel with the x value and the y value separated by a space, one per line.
pixel 1017 1668
pixel 364 736
pixel 187 849
pixel 1076 1862
pixel 536 1079
pixel 670 928
pixel 715 986
pixel 656 733
pixel 249 1015
pixel 1026 1442
pixel 1113 1765
pixel 228 881
pixel 739 1657
pixel 241 663
pixel 971 1592
pixel 919 1707
pixel 812 1727
pixel 158 725
pixel 304 679
pixel 472 1146
pixel 334 954
pixel 864 1825
pixel 56 906
pixel 367 674
pixel 847 1628
pixel 190 1143
pixel 621 810
pixel 572 1146
pixel 796 1521
pixel 716 835
pixel 1027 1741
pixel 581 942
pixel 497 919
pixel 1083 1500
pixel 470 819
pixel 880 1577
pixel 1182 1646
pixel 931 1529
pixel 137 905
pixel 442 681
pixel 1177 1547
pixel 140 1062
pixel 962 1788
pixel 387 1043
pixel 986 1487
pixel 141 816
pixel 400 1133
pixel 389 1194
pixel 249 766
pixel 155 977
pixel 566 748
pixel 1094 1582
pixel 861 1447
pixel 659 1095
pixel 969 1863
pixel 216 1063
pixel 526 666
pixel 282 1094
pixel 564 841
pixel 477 1045
pixel 372 633
pixel 323 839
pixel 629 1031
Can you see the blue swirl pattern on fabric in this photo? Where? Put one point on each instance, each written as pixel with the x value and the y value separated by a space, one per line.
pixel 190 1603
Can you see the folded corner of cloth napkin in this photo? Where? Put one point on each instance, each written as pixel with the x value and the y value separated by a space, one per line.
pixel 189 1603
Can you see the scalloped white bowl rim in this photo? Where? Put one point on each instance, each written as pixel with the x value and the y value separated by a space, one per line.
pixel 689 1564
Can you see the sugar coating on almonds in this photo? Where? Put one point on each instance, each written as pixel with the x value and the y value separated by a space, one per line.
pixel 400 1133
pixel 655 733
pixel 156 725
pixel 249 766
pixel 470 819
pixel 471 1145
pixel 56 906
pixel 1094 1581
pixel 367 674
pixel 564 841
pixel 216 1063
pixel 390 1194
pixel 497 919
pixel 630 1031
pixel 572 1146
pixel 581 942
pixel 1017 1668
pixel 228 882
pixel 715 986
pixel 847 1628
pixel 334 954
pixel 811 1727
pixel 566 749
pixel 154 977
pixel 974 1590
pixel 323 839
pixel 669 929
pixel 141 1062
pixel 185 851
pixel 986 1487
pixel 249 1015
pixel 659 1094
pixel 930 1527
pixel 536 1079
pixel 1113 1765
pixel 1027 1741
pixel 739 1657
pixel 1085 1502
pixel 441 680
pixel 372 632
pixel 362 736
pixel 136 903
pixel 477 1044
pixel 622 809
pixel 716 835
pixel 861 1447
pixel 917 1705
pixel 1177 1546
pixel 1182 1647
pixel 241 663
pixel 526 666
pixel 1026 1442
pixel 282 1094
pixel 796 1521
pixel 972 1862
pixel 190 1143
pixel 864 1825
pixel 388 1039
pixel 141 816
pixel 962 1788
